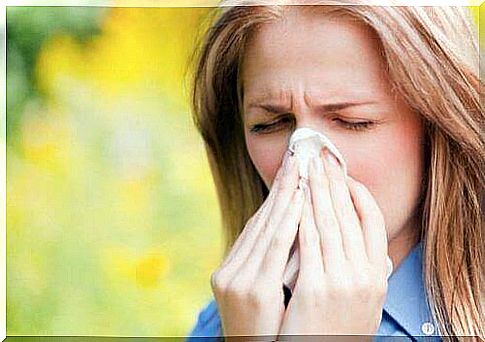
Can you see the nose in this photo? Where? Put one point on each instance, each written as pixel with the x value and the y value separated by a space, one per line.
pixel 305 115
pixel 310 120
pixel 306 142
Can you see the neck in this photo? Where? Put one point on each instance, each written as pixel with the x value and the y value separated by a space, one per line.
pixel 400 245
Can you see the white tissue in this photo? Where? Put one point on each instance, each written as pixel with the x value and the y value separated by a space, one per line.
pixel 305 143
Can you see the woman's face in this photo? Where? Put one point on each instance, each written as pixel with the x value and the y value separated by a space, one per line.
pixel 310 71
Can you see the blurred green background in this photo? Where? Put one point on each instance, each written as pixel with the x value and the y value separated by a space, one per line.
pixel 113 225
pixel 112 216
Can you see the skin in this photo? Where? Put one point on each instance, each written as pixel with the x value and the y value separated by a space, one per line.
pixel 346 226
pixel 283 66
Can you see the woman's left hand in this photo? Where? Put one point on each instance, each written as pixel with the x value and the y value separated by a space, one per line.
pixel 342 282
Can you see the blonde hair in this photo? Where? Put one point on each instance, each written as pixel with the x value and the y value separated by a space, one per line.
pixel 431 56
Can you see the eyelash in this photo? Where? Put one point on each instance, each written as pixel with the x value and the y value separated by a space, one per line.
pixel 354 126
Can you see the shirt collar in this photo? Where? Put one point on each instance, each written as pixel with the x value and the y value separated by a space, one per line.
pixel 406 299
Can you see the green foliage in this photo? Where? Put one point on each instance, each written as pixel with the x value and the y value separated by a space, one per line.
pixel 27 29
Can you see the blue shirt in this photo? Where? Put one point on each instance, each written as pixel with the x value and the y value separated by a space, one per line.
pixel 405 313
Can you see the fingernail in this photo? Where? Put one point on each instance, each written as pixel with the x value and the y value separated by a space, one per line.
pixel 330 158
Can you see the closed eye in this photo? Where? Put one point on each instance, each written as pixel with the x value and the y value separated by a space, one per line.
pixel 281 123
pixel 266 128
pixel 355 126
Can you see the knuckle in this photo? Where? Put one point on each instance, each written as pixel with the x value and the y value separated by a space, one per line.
pixel 381 289
pixel 379 285
pixel 237 289
pixel 368 284
pixel 257 296
pixel 340 287
pixel 306 289
pixel 217 281
pixel 363 286
pixel 309 295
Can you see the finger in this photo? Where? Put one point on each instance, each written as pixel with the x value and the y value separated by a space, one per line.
pixel 311 265
pixel 326 221
pixel 352 236
pixel 284 189
pixel 248 235
pixel 246 240
pixel 372 221
pixel 285 192
pixel 277 254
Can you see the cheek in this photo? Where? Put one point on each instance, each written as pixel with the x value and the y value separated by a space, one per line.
pixel 267 155
pixel 391 167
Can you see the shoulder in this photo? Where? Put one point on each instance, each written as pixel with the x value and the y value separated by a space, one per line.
pixel 208 322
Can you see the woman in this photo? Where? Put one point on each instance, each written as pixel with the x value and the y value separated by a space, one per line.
pixel 396 89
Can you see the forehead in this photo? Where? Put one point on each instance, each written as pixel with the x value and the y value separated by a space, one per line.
pixel 315 54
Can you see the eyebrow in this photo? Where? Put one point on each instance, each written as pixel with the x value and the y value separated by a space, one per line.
pixel 326 108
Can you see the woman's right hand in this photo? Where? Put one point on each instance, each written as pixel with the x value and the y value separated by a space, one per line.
pixel 248 286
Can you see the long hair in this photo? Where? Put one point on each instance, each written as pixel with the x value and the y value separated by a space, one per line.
pixel 431 55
